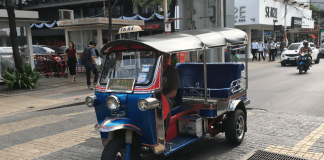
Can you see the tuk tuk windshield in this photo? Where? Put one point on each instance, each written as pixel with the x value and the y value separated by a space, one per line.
pixel 138 65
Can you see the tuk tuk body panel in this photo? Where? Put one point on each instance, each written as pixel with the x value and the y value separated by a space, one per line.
pixel 142 122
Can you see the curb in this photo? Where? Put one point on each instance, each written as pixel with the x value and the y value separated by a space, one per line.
pixel 61 105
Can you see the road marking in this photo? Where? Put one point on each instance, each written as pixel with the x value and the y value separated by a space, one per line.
pixel 35 122
pixel 44 146
pixel 302 147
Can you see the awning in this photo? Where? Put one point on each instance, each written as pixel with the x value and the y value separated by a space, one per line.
pixel 188 40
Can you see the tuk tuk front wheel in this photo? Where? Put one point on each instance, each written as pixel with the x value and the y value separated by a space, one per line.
pixel 235 126
pixel 116 150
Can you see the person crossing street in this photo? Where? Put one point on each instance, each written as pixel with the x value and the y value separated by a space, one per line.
pixel 272 47
pixel 255 47
pixel 261 50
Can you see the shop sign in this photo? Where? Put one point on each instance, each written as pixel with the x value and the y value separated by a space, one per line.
pixel 271 12
pixel 296 22
pixel 99 20
pixel 153 26
pixel 315 29
pixel 241 13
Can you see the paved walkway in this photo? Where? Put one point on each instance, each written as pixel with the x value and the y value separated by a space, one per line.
pixel 50 93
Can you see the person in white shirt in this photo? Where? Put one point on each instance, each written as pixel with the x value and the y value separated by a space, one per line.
pixel 254 49
pixel 266 47
pixel 261 50
pixel 272 47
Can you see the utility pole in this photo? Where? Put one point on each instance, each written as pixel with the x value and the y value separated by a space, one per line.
pixel 165 6
pixel 286 1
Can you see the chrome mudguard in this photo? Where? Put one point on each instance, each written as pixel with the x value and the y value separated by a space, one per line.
pixel 118 124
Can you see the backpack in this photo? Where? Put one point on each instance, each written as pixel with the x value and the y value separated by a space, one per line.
pixel 85 57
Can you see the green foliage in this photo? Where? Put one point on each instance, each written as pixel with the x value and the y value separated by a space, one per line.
pixel 315 12
pixel 174 62
pixel 26 79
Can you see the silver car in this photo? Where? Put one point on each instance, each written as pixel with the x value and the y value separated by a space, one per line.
pixel 321 52
pixel 6 59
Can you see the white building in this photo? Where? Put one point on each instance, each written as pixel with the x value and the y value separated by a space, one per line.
pixel 256 18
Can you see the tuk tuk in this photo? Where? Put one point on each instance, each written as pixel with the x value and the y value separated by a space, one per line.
pixel 132 112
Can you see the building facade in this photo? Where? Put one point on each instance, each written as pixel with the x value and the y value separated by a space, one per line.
pixel 257 18
pixel 123 9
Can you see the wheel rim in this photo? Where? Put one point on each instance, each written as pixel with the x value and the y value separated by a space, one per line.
pixel 121 155
pixel 240 127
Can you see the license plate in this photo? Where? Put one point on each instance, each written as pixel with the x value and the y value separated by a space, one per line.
pixel 120 85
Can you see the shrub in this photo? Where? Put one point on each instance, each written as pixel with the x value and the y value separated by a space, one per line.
pixel 27 79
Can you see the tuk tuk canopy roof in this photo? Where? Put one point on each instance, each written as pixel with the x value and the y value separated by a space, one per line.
pixel 182 41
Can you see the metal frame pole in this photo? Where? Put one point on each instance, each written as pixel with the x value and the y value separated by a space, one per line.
pixel 205 76
pixel 246 68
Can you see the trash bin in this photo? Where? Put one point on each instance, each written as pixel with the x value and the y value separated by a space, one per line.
pixel 227 56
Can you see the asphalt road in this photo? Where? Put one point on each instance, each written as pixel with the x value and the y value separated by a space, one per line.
pixel 289 122
pixel 279 88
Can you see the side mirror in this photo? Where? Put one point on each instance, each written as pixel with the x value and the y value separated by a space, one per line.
pixel 285 49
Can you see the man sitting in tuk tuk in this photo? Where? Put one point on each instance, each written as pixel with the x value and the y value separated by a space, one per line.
pixel 170 85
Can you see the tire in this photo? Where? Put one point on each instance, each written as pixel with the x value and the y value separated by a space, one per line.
pixel 317 60
pixel 46 75
pixel 283 64
pixel 66 75
pixel 117 147
pixel 300 71
pixel 235 127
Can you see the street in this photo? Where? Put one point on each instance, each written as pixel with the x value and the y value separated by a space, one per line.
pixel 285 116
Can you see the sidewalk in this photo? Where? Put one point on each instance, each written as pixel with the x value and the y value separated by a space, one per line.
pixel 50 92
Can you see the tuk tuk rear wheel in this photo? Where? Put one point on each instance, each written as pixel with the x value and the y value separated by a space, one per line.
pixel 116 150
pixel 235 126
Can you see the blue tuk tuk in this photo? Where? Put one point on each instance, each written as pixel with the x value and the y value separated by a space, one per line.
pixel 132 111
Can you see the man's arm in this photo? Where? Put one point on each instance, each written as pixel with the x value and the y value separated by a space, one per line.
pixel 172 94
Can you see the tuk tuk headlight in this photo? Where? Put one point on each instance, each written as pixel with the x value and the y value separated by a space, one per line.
pixel 90 101
pixel 148 104
pixel 113 103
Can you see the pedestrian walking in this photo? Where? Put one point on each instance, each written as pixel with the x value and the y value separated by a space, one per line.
pixel 233 53
pixel 283 45
pixel 72 60
pixel 255 47
pixel 266 47
pixel 272 47
pixel 261 50
pixel 91 64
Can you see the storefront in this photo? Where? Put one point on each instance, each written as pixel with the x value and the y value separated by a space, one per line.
pixel 82 31
pixel 257 18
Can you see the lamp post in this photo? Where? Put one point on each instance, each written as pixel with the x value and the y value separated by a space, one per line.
pixel 274 24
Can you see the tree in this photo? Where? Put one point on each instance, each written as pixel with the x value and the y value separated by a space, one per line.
pixel 151 3
pixel 10 6
pixel 109 14
pixel 315 12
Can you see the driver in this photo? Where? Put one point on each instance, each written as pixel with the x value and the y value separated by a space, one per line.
pixel 170 81
pixel 170 85
pixel 308 51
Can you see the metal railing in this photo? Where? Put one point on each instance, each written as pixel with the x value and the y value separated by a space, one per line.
pixel 37 2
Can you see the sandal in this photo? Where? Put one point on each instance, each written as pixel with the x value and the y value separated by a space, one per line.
pixel 73 80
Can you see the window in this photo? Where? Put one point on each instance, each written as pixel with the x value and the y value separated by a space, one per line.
pixel 293 47
pixel 81 39
pixel 137 65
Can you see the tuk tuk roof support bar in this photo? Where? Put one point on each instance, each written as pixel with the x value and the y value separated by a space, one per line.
pixel 246 66
pixel 205 76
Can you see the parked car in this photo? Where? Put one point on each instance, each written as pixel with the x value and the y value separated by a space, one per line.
pixel 6 59
pixel 290 55
pixel 321 52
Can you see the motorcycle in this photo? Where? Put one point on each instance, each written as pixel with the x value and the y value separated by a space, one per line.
pixel 303 63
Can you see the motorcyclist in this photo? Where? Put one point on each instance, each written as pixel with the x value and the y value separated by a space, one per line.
pixel 307 50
